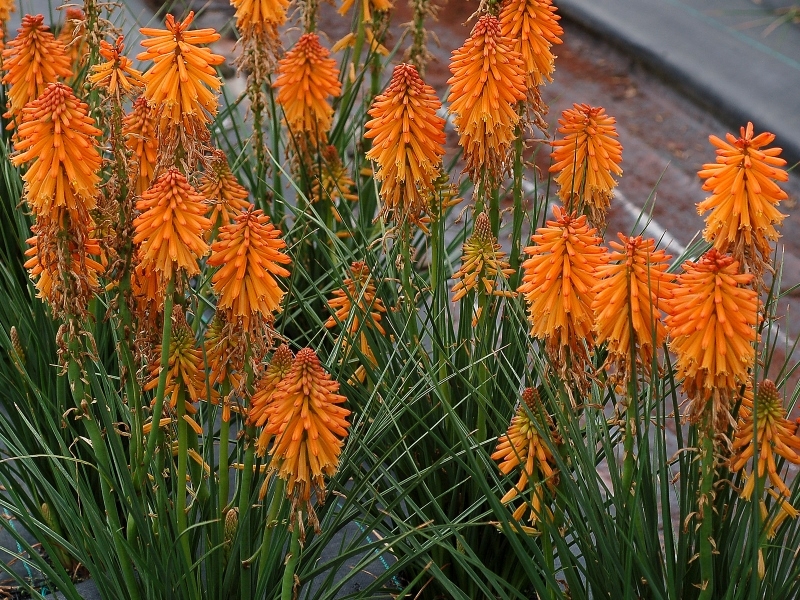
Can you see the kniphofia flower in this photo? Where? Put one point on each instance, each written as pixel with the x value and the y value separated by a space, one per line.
pixel 265 387
pixel 774 435
pixel 483 264
pixel 307 77
pixel 31 61
pixel 259 15
pixel 335 183
pixel 182 82
pixel 308 422
pixel 586 159
pixel 225 357
pixel 559 280
pixel 523 445
pixel 6 8
pixel 223 192
pixel 73 37
pixel 408 144
pixel 171 225
pixel 712 320
pixel 487 84
pixel 632 291
pixel 139 130
pixel 367 6
pixel 249 254
pixel 116 75
pixel 56 139
pixel 744 196
pixel 533 27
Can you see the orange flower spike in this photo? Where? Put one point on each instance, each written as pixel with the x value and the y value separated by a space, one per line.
pixel 265 387
pixel 366 7
pixel 171 225
pixel 306 417
pixel 586 159
pixel 249 254
pixel 223 192
pixel 408 143
pixel 560 278
pixel 56 139
pixel 182 79
pixel 32 60
pixel 220 348
pixel 634 288
pixel 307 76
pixel 744 194
pixel 483 263
pixel 73 36
pixel 487 83
pixel 139 130
pixel 357 300
pixel 116 75
pixel 533 26
pixel 259 15
pixel 6 8
pixel 711 321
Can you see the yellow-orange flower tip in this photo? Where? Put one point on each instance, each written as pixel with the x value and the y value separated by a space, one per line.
pixel 367 6
pixel 307 77
pixel 586 159
pixel 775 435
pixel 633 289
pixel 265 387
pixel 357 302
pixel 182 80
pixel 533 27
pixel 31 61
pixel 223 192
pixel 483 263
pixel 259 15
pixel 116 75
pixel 744 196
pixel 249 254
pixel 712 322
pixel 171 225
pixel 487 84
pixel 309 424
pixel 139 131
pixel 559 280
pixel 56 139
pixel 408 144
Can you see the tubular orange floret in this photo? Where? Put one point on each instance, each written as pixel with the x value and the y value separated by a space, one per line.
pixel 307 77
pixel 586 159
pixel 182 80
pixel 744 197
pixel 223 192
pixel 487 84
pixel 259 15
pixel 712 320
pixel 32 60
pixel 225 357
pixel 367 6
pixel 265 387
pixel 6 8
pixel 559 281
pixel 408 144
pixel 306 417
pixel 73 37
pixel 533 27
pixel 248 252
pixel 116 75
pixel 139 130
pixel 631 293
pixel 57 138
pixel 171 225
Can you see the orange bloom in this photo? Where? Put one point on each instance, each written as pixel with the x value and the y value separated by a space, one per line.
pixel 57 140
pixel 223 192
pixel 6 8
pixel 586 159
pixel 523 445
pixel 307 76
pixel 335 183
pixel 32 60
pixel 632 292
pixel 559 282
pixel 366 7
pixel 248 252
pixel 483 264
pixel 73 36
pixel 117 74
pixel 744 196
pixel 533 27
pixel 487 84
pixel 139 130
pixel 223 354
pixel 257 415
pixel 309 425
pixel 183 80
pixel 775 435
pixel 408 144
pixel 712 324
pixel 259 15
pixel 171 225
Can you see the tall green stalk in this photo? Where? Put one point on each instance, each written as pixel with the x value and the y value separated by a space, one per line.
pixel 287 582
pixel 706 501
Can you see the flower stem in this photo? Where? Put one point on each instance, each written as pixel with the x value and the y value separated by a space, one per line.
pixel 180 501
pixel 245 536
pixel 287 583
pixel 224 454
pixel 706 501
pixel 275 505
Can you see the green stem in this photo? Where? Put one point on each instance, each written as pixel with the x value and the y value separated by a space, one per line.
pixel 224 456
pixel 706 543
pixel 287 583
pixel 277 185
pixel 276 503
pixel 245 533
pixel 518 214
pixel 483 348
pixel 180 502
pixel 408 287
